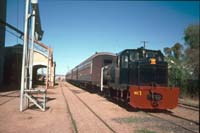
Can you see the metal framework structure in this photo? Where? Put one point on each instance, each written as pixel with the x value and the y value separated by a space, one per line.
pixel 49 81
pixel 27 91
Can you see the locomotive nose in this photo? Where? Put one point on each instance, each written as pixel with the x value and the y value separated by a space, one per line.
pixel 152 96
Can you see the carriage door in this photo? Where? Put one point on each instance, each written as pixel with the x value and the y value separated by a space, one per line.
pixel 107 62
pixel 124 76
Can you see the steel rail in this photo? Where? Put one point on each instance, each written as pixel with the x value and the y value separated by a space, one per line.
pixel 178 125
pixel 10 98
pixel 4 95
pixel 111 129
pixel 69 111
pixel 182 105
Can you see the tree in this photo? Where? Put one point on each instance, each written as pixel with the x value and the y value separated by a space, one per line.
pixel 184 64
pixel 177 50
pixel 192 36
pixel 192 51
pixel 167 51
pixel 176 73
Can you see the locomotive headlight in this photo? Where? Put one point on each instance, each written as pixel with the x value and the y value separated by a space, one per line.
pixel 157 97
pixel 153 96
pixel 153 61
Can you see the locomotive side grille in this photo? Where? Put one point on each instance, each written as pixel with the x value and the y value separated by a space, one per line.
pixel 152 74
pixel 147 74
pixel 133 74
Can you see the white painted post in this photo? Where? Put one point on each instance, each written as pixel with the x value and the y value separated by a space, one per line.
pixel 31 50
pixel 102 78
pixel 49 66
pixel 24 72
pixel 34 1
pixel 47 72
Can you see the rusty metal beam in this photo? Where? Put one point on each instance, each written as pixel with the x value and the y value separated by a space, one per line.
pixel 41 44
pixel 22 33
pixel 3 23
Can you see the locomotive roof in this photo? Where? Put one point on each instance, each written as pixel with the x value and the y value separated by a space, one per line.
pixel 138 49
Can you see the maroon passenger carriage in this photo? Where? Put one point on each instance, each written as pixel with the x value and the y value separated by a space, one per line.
pixel 89 71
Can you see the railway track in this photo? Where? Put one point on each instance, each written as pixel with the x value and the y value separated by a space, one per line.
pixel 183 123
pixel 7 94
pixel 180 123
pixel 192 121
pixel 68 110
pixel 186 106
pixel 7 97
pixel 88 107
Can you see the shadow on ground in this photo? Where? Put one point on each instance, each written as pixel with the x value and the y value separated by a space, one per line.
pixel 34 107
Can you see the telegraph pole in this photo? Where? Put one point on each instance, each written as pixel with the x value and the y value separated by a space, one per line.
pixel 144 42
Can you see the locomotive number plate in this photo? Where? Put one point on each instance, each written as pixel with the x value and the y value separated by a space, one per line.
pixel 138 93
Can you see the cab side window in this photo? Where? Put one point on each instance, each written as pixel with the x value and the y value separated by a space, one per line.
pixel 124 62
pixel 134 56
pixel 118 61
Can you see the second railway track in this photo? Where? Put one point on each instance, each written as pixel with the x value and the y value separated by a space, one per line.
pixel 183 123
pixel 180 122
pixel 69 111
pixel 182 105
pixel 8 96
pixel 75 126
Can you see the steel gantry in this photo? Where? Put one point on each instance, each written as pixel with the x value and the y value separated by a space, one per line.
pixel 27 91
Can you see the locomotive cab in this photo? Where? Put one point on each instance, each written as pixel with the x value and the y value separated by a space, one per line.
pixel 142 67
pixel 137 67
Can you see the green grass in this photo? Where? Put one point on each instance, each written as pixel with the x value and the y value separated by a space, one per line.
pixel 130 120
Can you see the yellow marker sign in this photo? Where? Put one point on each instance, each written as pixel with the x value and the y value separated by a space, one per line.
pixel 153 61
pixel 137 93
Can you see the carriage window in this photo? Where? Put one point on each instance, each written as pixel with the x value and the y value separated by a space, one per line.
pixel 150 55
pixel 134 56
pixel 106 62
pixel 160 58
pixel 124 61
pixel 118 61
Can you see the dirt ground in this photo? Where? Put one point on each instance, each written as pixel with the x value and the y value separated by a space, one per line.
pixel 54 120
pixel 57 119
pixel 127 120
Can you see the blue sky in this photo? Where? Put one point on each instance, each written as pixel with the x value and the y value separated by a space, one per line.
pixel 77 29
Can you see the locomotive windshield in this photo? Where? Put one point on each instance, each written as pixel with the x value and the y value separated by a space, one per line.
pixel 142 66
pixel 136 55
pixel 157 54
